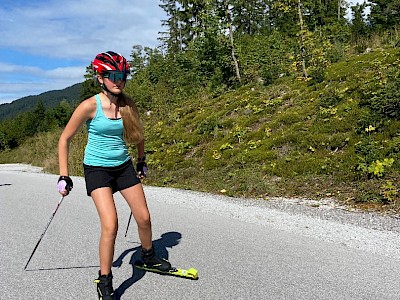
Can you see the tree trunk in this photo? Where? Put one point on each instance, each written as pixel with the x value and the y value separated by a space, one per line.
pixel 235 61
pixel 302 49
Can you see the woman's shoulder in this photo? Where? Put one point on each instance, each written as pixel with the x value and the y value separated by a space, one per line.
pixel 88 106
pixel 89 103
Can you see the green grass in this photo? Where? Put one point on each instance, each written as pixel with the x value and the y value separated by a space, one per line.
pixel 292 138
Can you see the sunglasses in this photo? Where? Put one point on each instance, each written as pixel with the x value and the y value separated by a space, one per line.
pixel 115 76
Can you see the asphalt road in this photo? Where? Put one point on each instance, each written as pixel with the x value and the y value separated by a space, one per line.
pixel 237 255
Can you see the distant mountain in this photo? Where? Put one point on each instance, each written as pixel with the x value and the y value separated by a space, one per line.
pixel 49 99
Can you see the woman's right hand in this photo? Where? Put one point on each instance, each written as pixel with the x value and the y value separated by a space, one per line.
pixel 64 185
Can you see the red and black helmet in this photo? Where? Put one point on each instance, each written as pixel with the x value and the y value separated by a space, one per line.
pixel 110 61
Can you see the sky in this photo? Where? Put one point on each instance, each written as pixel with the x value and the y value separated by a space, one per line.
pixel 47 45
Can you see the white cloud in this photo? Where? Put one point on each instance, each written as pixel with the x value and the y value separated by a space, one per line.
pixel 35 81
pixel 75 73
pixel 81 28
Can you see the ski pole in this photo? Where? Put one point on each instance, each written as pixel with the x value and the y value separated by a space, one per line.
pixel 47 226
pixel 129 221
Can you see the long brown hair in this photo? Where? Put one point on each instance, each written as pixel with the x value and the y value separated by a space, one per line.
pixel 133 128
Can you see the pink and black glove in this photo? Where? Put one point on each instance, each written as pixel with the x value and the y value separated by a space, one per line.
pixel 65 184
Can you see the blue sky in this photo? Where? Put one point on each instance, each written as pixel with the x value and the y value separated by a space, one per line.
pixel 47 45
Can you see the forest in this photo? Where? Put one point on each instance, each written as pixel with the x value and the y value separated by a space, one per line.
pixel 265 97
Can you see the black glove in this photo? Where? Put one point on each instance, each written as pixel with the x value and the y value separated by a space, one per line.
pixel 65 184
pixel 141 169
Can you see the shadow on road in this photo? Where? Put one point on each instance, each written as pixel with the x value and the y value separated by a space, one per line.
pixel 167 240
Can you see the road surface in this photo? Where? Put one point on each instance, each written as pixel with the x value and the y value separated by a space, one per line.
pixel 243 249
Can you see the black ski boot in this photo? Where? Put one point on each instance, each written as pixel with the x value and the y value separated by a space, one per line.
pixel 153 262
pixel 105 288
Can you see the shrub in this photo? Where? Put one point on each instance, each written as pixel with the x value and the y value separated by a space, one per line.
pixel 382 94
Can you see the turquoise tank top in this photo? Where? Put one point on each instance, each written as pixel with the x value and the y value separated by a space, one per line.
pixel 106 146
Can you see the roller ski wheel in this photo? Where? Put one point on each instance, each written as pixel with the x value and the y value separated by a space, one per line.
pixel 189 273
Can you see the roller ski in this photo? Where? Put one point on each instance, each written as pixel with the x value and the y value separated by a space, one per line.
pixel 150 262
pixel 105 288
pixel 189 273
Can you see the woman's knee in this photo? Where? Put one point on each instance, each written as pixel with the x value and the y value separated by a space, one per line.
pixel 144 221
pixel 109 229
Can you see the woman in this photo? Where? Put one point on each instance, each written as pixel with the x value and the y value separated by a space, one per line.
pixel 112 121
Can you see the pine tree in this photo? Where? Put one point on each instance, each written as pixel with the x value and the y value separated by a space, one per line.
pixel 250 16
pixel 385 14
pixel 358 25
pixel 172 38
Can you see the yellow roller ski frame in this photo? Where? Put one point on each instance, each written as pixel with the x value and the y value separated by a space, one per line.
pixel 189 273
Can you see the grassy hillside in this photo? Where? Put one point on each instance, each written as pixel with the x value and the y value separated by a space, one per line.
pixel 291 138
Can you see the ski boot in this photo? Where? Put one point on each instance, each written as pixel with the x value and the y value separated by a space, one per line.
pixel 151 261
pixel 105 288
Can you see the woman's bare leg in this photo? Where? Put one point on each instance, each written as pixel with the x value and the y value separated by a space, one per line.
pixel 104 201
pixel 136 200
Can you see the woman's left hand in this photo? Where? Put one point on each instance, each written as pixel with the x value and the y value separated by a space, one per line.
pixel 141 169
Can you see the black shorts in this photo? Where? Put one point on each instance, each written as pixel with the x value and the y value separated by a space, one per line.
pixel 117 178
